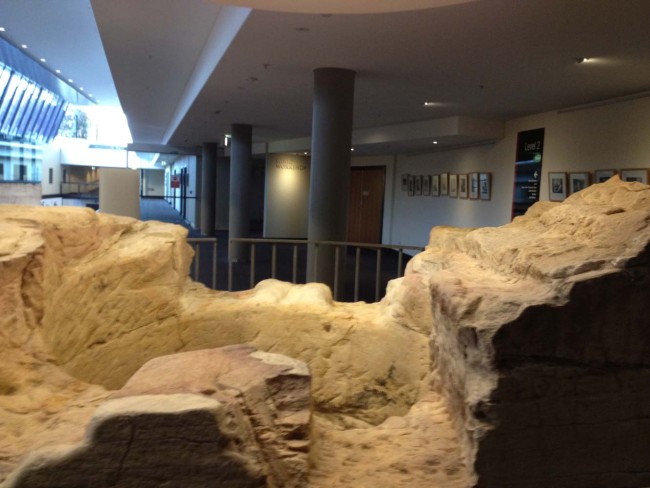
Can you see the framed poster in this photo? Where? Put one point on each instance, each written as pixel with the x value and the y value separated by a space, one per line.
pixel 444 184
pixel 557 187
pixel 639 175
pixel 411 185
pixel 602 175
pixel 405 182
pixel 418 185
pixel 426 185
pixel 473 186
pixel 453 185
pixel 485 185
pixel 578 181
pixel 435 185
pixel 462 186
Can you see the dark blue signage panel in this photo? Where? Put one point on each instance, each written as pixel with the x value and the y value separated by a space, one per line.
pixel 528 170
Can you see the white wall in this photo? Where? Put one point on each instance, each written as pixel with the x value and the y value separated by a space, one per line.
pixel 119 192
pixel 153 183
pixel 615 135
pixel 286 196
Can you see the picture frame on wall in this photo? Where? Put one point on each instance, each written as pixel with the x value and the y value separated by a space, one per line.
pixel 473 186
pixel 485 185
pixel 444 184
pixel 426 185
pixel 405 182
pixel 453 185
pixel 435 185
pixel 418 185
pixel 602 175
pixel 579 181
pixel 411 189
pixel 557 186
pixel 462 186
pixel 638 175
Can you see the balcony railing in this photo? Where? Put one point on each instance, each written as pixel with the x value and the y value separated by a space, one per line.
pixel 285 259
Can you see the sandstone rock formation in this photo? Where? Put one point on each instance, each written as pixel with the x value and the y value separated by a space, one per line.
pixel 505 357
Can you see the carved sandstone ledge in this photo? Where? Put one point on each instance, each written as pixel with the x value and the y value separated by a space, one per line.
pixel 515 356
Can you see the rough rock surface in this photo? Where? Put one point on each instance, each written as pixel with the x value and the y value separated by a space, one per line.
pixel 505 357
pixel 227 417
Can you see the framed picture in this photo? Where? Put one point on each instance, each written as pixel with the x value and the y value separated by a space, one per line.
pixel 579 181
pixel 405 182
pixel 444 184
pixel 453 185
pixel 557 187
pixel 640 175
pixel 485 185
pixel 411 185
pixel 426 185
pixel 602 175
pixel 473 186
pixel 462 186
pixel 418 185
pixel 435 185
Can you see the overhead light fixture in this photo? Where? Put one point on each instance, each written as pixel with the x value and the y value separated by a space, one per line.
pixel 70 80
pixel 429 104
pixel 351 149
pixel 435 142
pixel 580 59
pixel 2 29
pixel 24 46
pixel 43 60
pixel 58 71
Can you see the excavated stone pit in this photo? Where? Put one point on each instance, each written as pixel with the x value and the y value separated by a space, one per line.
pixel 516 356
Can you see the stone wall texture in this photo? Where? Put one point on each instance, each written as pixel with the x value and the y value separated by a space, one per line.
pixel 516 356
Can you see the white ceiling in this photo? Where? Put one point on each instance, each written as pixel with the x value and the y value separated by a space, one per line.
pixel 185 70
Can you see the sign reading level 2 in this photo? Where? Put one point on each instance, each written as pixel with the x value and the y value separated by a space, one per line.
pixel 528 170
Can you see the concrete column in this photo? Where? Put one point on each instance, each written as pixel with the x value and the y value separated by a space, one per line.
pixel 240 175
pixel 330 167
pixel 222 201
pixel 208 188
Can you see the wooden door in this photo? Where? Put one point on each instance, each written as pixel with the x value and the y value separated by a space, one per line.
pixel 366 208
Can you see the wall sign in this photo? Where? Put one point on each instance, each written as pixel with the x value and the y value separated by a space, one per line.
pixel 528 170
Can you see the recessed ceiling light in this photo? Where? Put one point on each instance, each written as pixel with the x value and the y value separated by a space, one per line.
pixel 429 104
pixel 2 29
pixel 581 59
pixel 81 88
pixel 90 95
pixel 70 80
pixel 43 60
pixel 24 46
pixel 58 71
pixel 435 142
pixel 351 149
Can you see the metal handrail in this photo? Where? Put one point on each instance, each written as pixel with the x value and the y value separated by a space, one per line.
pixel 337 246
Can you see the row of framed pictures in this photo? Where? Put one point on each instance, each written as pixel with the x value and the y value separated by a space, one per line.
pixel 474 186
pixel 561 184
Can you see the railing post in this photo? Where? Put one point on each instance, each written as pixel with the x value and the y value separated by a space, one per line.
pixel 273 260
pixel 337 252
pixel 357 269
pixel 378 275
pixel 252 265
pixel 229 267
pixel 214 264
pixel 399 262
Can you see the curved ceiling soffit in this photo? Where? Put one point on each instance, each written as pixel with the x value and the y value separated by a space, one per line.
pixel 341 6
